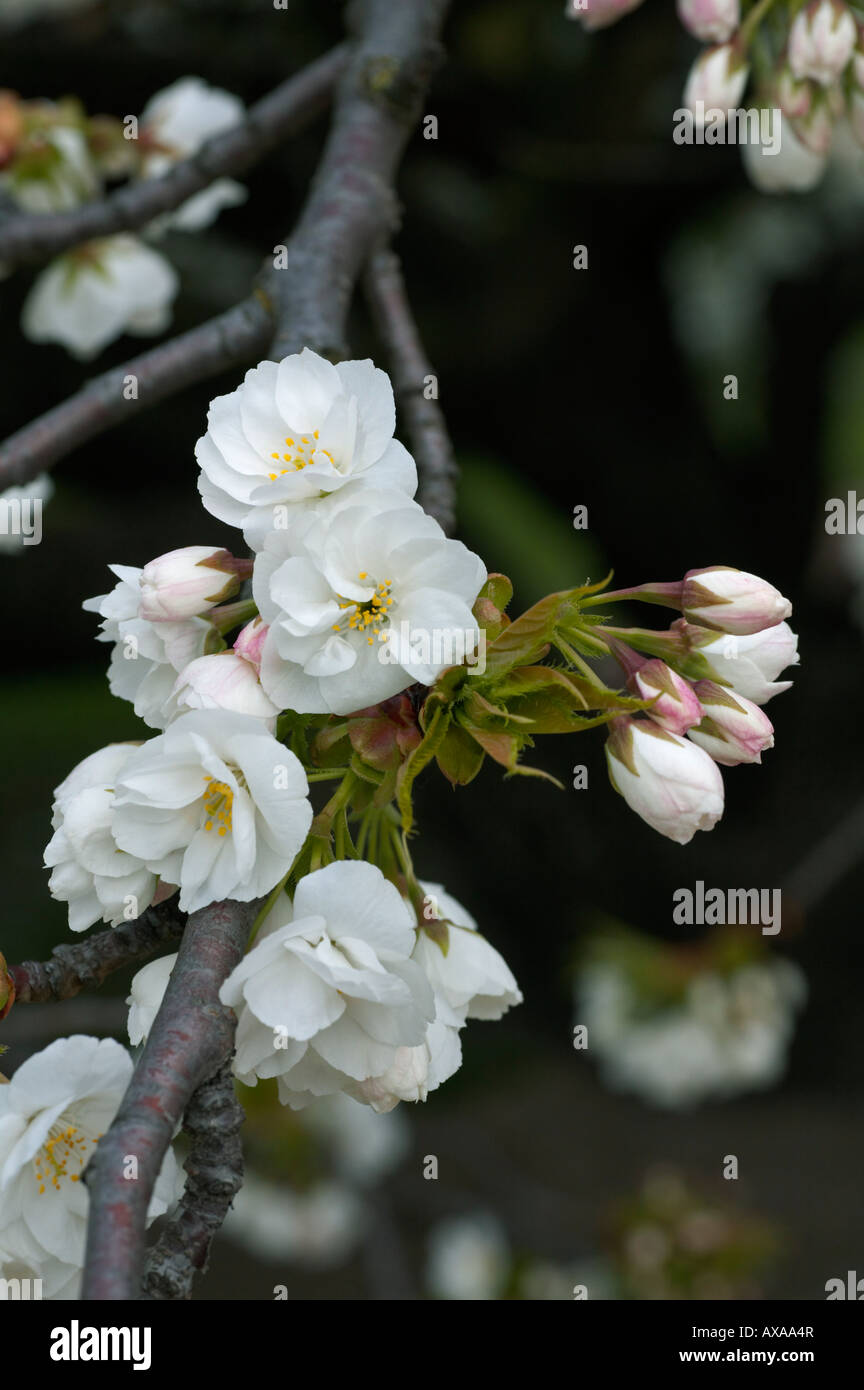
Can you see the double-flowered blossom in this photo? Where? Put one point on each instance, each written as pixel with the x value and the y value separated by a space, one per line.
pixel 90 872
pixel 147 656
pixel 294 430
pixel 329 994
pixel 315 996
pixel 52 1114
pixel 362 596
pixel 216 805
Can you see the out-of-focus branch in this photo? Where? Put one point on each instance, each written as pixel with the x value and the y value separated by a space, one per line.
pixel 85 964
pixel 191 1038
pixel 27 237
pixel 221 342
pixel 213 1120
pixel 412 378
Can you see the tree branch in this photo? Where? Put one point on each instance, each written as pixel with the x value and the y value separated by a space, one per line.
pixel 410 370
pixel 85 964
pixel 190 1040
pixel 213 1121
pixel 222 342
pixel 352 203
pixel 29 237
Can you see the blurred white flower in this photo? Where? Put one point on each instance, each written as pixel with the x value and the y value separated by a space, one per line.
pixel 729 1035
pixel 60 178
pixel 317 1229
pixel 363 1146
pixel 102 289
pixel 174 124
pixel 468 1258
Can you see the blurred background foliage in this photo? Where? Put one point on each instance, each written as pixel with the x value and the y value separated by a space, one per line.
pixel 601 387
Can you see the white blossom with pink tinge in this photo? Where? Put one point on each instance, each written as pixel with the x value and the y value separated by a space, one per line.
pixel 717 80
pixel 734 730
pixel 712 21
pixel 732 600
pixel 673 785
pixel 821 41
pixel 677 709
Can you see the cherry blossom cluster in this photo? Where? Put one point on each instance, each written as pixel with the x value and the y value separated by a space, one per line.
pixel 54 157
pixel 356 645
pixel 360 977
pixel 804 61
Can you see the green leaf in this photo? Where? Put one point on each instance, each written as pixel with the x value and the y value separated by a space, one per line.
pixel 460 757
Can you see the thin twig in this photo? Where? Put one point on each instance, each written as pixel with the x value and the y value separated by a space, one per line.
pixel 413 381
pixel 213 1121
pixel 33 237
pixel 85 964
pixel 191 1038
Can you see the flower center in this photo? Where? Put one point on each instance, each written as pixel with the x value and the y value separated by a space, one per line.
pixel 65 1144
pixel 219 805
pixel 301 453
pixel 368 618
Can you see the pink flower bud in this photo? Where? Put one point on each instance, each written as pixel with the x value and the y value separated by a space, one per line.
pixel 677 708
pixel 821 41
pixel 712 21
pixel 222 681
pixel 599 14
pixel 731 600
pixel 249 642
pixel 716 82
pixel 662 780
pixel 184 583
pixel 734 730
